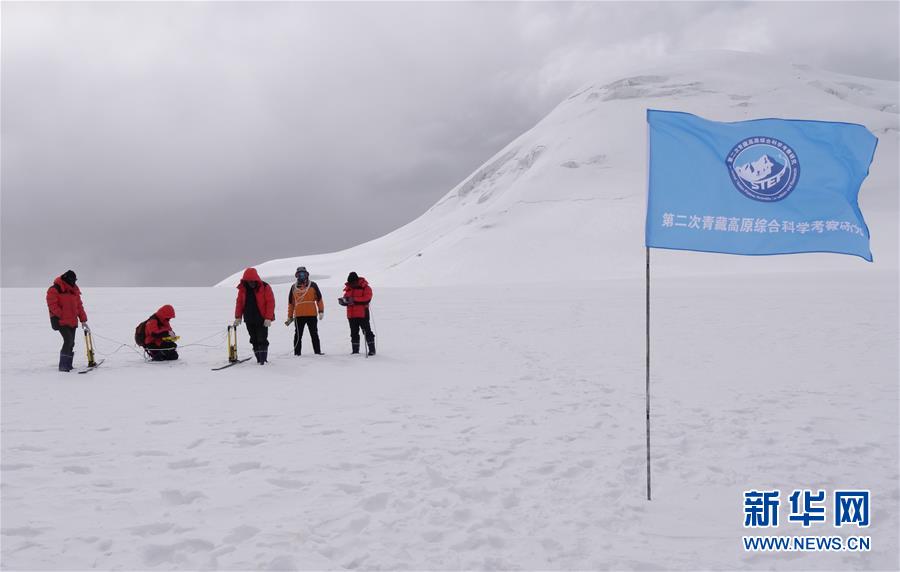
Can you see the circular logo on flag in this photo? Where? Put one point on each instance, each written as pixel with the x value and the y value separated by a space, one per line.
pixel 763 168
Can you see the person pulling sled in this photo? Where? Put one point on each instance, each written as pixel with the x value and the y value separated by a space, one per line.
pixel 256 307
pixel 305 309
pixel 158 338
pixel 66 310
pixel 357 296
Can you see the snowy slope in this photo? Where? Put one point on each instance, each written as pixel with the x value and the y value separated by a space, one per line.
pixel 565 200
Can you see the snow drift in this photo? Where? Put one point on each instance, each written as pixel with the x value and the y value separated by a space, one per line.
pixel 566 199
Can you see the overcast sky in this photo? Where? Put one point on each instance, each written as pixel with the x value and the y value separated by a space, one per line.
pixel 175 143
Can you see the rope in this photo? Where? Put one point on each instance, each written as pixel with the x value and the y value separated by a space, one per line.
pixel 142 352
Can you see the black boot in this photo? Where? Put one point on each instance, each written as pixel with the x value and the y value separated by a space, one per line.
pixel 354 348
pixel 65 362
pixel 261 356
pixel 371 345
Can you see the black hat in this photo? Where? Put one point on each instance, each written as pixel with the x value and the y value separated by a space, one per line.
pixel 69 277
pixel 352 277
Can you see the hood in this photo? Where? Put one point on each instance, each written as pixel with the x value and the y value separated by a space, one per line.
pixel 361 283
pixel 65 286
pixel 250 275
pixel 166 312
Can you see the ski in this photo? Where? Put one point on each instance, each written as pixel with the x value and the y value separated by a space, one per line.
pixel 91 367
pixel 231 364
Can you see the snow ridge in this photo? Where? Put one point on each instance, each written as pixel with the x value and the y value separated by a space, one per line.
pixel 568 195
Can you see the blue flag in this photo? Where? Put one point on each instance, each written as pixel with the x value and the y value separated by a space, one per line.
pixel 766 186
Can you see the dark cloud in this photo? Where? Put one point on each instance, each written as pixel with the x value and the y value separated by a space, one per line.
pixel 173 143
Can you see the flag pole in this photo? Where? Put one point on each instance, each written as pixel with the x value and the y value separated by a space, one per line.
pixel 648 372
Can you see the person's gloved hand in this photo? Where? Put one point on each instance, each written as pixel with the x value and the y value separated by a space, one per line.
pixel 321 315
pixel 237 322
pixel 87 328
pixel 288 322
pixel 267 323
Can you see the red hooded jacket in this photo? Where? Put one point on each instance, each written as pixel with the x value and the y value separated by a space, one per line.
pixel 158 326
pixel 265 299
pixel 361 294
pixel 64 302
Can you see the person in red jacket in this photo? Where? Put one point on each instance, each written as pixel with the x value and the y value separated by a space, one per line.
pixel 159 339
pixel 66 310
pixel 256 306
pixel 357 295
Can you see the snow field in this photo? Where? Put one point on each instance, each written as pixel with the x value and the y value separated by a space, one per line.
pixel 499 427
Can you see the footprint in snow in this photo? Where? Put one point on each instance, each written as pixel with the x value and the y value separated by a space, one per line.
pixel 349 489
pixel 77 470
pixel 433 535
pixel 153 529
pixel 241 467
pixel 28 449
pixel 546 469
pixel 281 563
pixel 25 531
pixel 287 483
pixel 240 534
pixel 177 553
pixel 162 421
pixel 15 467
pixel 462 515
pixel 357 525
pixel 250 442
pixel 151 454
pixel 375 503
pixel 176 497
pixel 191 463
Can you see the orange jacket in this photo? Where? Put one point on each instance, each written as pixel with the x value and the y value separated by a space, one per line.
pixel 305 301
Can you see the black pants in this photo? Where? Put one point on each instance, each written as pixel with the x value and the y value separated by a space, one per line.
pixel 355 325
pixel 68 335
pixel 259 337
pixel 165 351
pixel 299 324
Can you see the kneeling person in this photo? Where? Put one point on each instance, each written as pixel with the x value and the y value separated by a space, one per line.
pixel 159 339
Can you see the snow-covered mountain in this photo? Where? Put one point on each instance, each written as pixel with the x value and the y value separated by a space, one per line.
pixel 565 200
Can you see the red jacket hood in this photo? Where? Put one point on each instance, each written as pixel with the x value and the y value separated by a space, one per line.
pixel 250 275
pixel 361 283
pixel 166 312
pixel 65 286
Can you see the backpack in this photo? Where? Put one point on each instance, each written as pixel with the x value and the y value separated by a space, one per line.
pixel 140 332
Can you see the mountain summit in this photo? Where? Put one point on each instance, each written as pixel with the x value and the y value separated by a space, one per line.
pixel 566 199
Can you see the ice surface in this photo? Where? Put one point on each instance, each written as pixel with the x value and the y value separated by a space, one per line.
pixel 499 427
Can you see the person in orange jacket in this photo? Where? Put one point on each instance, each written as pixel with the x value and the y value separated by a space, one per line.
pixel 305 308
pixel 66 310
pixel 159 339
pixel 256 307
